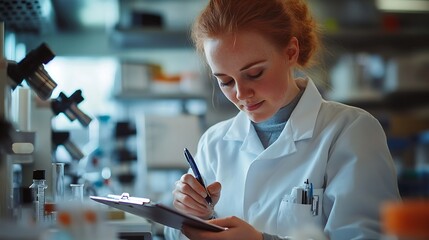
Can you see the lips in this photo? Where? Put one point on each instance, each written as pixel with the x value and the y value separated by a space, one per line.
pixel 252 107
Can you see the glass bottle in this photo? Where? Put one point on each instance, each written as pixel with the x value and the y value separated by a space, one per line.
pixel 38 191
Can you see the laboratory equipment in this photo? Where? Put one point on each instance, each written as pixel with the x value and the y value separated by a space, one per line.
pixel 23 138
pixel 58 181
pixel 125 155
pixel 5 135
pixel 63 138
pixel 38 192
pixel 422 153
pixel 12 74
pixel 26 217
pixel 68 105
pixel 5 169
pixel 406 219
pixel 31 69
pixel 77 192
pixel 83 221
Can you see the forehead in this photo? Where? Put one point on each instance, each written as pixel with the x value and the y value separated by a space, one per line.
pixel 237 42
pixel 239 48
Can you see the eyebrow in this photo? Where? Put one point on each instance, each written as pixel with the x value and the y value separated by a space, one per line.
pixel 241 69
pixel 251 64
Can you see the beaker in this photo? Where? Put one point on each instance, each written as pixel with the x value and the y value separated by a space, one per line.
pixel 77 192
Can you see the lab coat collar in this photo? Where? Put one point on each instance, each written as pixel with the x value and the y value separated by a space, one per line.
pixel 304 116
pixel 300 125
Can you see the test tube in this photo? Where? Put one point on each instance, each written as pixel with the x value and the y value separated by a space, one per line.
pixel 58 180
pixel 77 192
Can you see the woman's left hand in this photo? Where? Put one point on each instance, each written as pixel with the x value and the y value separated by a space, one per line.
pixel 237 229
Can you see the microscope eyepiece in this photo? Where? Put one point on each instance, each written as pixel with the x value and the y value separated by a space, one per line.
pixel 31 68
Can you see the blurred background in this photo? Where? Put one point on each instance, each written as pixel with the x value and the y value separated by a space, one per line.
pixel 149 94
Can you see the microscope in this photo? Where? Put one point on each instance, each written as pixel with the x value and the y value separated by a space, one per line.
pixel 12 74
pixel 22 145
pixel 68 106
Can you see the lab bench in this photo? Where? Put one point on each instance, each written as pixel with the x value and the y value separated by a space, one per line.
pixel 132 227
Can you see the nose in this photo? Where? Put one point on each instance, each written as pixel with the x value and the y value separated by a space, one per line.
pixel 243 91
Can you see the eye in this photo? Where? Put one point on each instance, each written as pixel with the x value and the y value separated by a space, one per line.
pixel 255 75
pixel 225 83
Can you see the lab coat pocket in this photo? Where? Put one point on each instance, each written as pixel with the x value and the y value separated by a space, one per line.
pixel 293 216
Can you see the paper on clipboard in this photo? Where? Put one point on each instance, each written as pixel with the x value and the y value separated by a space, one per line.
pixel 156 212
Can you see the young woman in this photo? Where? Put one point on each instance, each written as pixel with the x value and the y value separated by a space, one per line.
pixel 289 159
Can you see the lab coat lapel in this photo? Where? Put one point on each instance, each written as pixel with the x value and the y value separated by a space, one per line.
pixel 301 123
pixel 242 130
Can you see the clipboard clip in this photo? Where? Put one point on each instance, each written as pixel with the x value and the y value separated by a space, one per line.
pixel 126 198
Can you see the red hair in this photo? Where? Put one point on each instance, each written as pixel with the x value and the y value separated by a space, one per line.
pixel 278 20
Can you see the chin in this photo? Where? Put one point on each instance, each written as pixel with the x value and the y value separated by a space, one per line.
pixel 260 116
pixel 257 118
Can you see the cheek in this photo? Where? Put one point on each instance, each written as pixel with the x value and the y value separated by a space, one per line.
pixel 277 86
pixel 230 94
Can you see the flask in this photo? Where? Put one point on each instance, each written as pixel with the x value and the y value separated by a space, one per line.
pixel 38 191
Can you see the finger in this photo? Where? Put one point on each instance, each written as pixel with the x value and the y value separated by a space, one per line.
pixel 187 204
pixel 189 201
pixel 214 189
pixel 193 182
pixel 202 213
pixel 187 185
pixel 188 197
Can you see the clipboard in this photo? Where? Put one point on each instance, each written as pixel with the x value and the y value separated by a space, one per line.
pixel 156 212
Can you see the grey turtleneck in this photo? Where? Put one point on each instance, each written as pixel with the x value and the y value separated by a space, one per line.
pixel 269 130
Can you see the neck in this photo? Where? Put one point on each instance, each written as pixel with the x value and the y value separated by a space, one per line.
pixel 292 92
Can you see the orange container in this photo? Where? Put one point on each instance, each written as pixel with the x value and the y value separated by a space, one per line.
pixel 408 219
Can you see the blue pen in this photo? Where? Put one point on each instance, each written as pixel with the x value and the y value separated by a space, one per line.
pixel 197 174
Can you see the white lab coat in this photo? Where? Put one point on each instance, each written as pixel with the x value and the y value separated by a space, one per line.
pixel 342 150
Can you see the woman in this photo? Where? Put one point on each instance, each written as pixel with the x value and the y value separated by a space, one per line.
pixel 286 139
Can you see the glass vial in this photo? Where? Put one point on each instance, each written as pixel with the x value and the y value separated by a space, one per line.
pixel 77 192
pixel 38 192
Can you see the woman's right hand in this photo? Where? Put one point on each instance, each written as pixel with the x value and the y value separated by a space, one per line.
pixel 189 197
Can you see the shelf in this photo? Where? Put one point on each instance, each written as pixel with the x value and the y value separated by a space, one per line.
pixel 150 38
pixel 195 104
pixel 158 96
pixel 395 101
pixel 355 40
pixel 376 40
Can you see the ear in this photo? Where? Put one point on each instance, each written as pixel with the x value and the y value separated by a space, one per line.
pixel 292 50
